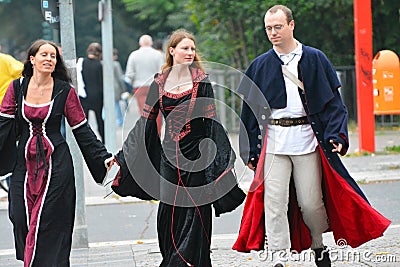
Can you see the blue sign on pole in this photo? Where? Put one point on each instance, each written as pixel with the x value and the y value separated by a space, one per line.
pixel 50 12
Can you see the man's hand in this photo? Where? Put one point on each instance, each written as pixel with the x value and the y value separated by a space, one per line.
pixel 251 167
pixel 252 164
pixel 337 147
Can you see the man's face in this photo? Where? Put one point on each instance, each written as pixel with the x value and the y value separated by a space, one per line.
pixel 279 32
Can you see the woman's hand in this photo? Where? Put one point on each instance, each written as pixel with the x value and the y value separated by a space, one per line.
pixel 110 164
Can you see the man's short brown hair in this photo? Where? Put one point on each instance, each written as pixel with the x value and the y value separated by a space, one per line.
pixel 285 9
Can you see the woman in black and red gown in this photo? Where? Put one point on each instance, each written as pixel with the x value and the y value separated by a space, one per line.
pixel 194 163
pixel 42 185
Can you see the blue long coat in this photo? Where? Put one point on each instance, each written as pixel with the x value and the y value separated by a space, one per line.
pixel 263 88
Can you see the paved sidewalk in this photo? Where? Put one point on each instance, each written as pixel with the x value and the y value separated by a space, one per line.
pixel 384 251
pixel 376 167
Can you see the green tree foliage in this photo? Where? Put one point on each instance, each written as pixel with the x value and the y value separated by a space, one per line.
pixel 229 32
pixel 386 21
pixel 327 25
pixel 158 17
pixel 232 32
pixel 20 25
pixel 88 28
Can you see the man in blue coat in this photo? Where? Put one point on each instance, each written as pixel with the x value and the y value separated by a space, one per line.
pixel 294 125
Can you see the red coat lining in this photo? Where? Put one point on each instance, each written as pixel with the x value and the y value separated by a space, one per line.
pixel 351 217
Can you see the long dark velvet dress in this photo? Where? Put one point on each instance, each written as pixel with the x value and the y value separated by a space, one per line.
pixel 42 184
pixel 188 227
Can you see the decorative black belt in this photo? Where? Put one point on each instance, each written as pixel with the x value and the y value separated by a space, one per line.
pixel 286 122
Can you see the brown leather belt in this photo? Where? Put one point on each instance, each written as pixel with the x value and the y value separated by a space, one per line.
pixel 287 122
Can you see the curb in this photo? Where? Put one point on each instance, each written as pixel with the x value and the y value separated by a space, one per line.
pixel 365 177
pixel 146 253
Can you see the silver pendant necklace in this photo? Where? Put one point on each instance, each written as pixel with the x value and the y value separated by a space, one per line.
pixel 41 89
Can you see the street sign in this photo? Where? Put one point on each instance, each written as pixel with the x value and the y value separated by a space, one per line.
pixel 51 13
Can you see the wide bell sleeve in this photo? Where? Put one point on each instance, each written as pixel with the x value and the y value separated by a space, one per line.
pixel 94 152
pixel 220 171
pixel 139 158
pixel 8 147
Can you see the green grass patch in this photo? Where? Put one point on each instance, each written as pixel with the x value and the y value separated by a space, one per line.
pixel 389 150
pixel 360 154
pixel 362 181
pixel 392 149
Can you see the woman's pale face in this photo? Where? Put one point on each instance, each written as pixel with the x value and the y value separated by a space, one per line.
pixel 184 52
pixel 45 59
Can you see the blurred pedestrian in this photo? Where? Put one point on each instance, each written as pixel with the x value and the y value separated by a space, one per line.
pixel 90 84
pixel 158 45
pixel 119 86
pixel 141 67
pixel 10 69
pixel 301 187
pixel 42 187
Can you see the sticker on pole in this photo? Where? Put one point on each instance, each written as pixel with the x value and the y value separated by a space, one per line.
pixel 51 13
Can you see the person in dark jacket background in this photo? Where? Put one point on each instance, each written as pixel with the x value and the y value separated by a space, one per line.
pixel 92 75
pixel 294 125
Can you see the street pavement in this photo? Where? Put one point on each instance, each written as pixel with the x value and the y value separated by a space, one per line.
pixel 372 168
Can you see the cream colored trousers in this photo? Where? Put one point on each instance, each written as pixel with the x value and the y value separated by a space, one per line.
pixel 307 175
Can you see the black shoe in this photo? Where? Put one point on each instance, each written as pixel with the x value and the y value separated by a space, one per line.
pixel 322 257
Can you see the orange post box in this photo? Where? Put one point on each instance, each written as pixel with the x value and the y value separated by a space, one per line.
pixel 386 83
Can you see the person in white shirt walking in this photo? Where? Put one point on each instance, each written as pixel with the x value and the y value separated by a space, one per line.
pixel 141 67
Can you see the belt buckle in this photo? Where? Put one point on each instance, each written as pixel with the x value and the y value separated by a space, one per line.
pixel 285 122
